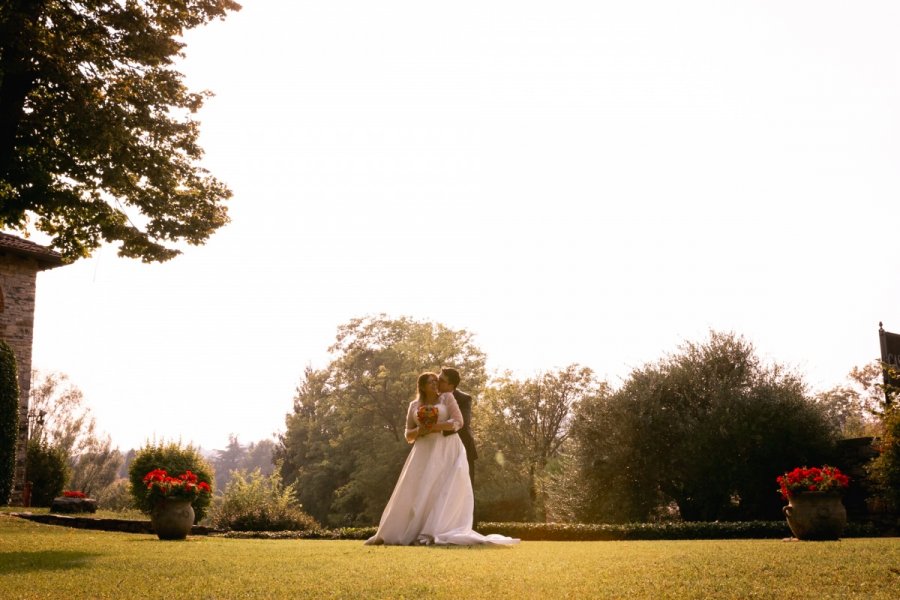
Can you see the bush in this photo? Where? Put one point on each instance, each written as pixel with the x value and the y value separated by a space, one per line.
pixel 339 533
pixel 707 428
pixel 584 532
pixel 885 468
pixel 9 419
pixel 693 530
pixel 116 496
pixel 48 470
pixel 176 459
pixel 256 502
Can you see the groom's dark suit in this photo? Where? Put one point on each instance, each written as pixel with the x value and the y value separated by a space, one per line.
pixel 465 433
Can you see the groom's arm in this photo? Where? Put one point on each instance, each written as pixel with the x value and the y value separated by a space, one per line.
pixel 465 407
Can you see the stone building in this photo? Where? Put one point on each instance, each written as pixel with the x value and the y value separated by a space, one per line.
pixel 20 262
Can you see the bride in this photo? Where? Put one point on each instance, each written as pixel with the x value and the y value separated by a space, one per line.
pixel 432 502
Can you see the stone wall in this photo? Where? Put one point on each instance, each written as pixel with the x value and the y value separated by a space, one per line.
pixel 18 277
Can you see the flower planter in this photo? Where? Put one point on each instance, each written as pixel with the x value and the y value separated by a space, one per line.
pixel 172 518
pixel 816 515
pixel 172 515
pixel 64 504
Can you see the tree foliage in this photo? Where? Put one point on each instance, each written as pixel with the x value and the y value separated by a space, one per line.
pixel 9 419
pixel 885 468
pixel 239 457
pixel 344 443
pixel 96 467
pixel 522 424
pixel 97 138
pixel 67 423
pixel 855 407
pixel 706 429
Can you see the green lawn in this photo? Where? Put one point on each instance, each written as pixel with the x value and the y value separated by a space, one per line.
pixel 46 561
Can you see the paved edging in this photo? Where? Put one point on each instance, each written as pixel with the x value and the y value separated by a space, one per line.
pixel 123 525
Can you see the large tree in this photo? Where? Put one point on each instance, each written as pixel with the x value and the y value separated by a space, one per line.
pixel 521 425
pixel 344 443
pixel 64 419
pixel 67 425
pixel 708 429
pixel 97 141
pixel 240 457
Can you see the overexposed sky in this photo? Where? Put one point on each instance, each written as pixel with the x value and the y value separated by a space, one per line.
pixel 593 182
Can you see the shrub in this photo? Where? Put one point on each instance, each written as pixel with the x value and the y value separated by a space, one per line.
pixel 174 458
pixel 116 496
pixel 885 468
pixel 583 532
pixel 256 502
pixel 48 470
pixel 693 530
pixel 706 428
pixel 9 419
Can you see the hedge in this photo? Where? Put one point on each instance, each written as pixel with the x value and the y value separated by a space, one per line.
pixel 584 532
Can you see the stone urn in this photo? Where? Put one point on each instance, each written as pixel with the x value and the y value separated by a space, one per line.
pixel 172 518
pixel 816 515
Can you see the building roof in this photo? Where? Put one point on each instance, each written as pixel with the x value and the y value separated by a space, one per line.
pixel 46 258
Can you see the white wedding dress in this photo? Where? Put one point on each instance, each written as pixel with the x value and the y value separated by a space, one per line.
pixel 432 502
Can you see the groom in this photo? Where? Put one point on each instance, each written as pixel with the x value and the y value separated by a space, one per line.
pixel 447 382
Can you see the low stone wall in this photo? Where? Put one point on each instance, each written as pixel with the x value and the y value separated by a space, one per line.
pixel 123 525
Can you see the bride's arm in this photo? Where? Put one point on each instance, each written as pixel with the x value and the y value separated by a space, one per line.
pixel 412 427
pixel 455 420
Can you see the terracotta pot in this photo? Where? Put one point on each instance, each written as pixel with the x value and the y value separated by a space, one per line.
pixel 816 516
pixel 172 519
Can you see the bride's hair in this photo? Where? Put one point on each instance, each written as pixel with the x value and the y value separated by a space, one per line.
pixel 423 383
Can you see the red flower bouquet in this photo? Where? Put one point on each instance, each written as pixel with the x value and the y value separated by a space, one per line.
pixel 427 415
pixel 160 486
pixel 815 479
pixel 74 494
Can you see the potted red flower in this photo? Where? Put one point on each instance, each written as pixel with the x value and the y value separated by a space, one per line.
pixel 172 515
pixel 814 510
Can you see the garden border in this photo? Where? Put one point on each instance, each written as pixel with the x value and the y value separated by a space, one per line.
pixel 103 524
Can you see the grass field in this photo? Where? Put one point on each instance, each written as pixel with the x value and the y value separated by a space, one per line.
pixel 46 561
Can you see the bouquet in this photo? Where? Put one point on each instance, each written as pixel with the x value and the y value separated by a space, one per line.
pixel 160 486
pixel 74 494
pixel 427 415
pixel 803 479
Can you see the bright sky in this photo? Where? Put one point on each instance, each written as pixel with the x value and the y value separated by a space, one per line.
pixel 593 182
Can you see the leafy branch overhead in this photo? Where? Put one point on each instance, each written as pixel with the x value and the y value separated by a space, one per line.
pixel 97 139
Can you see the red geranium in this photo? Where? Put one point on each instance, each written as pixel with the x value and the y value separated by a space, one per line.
pixel 161 486
pixel 74 494
pixel 815 479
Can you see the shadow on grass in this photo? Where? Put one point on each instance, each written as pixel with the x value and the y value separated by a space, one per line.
pixel 44 560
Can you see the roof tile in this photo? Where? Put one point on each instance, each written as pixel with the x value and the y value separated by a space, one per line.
pixel 16 245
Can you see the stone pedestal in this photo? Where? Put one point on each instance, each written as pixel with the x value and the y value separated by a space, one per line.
pixel 73 505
